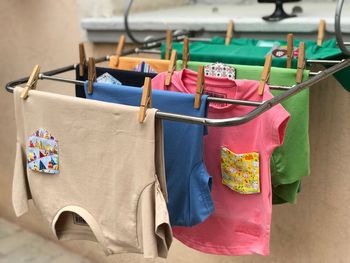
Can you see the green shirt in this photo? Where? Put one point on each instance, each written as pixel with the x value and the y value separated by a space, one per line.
pixel 253 52
pixel 291 161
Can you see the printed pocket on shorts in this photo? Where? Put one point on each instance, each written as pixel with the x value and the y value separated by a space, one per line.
pixel 42 152
pixel 240 172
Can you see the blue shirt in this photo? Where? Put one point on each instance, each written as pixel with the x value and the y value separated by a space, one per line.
pixel 188 182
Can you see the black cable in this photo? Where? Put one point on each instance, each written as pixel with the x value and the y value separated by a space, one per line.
pixel 337 27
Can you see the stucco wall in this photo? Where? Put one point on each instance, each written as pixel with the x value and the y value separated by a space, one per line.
pixel 103 8
pixel 317 229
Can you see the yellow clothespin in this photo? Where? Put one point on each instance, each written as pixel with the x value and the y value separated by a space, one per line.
pixel 321 32
pixel 91 74
pixel 32 81
pixel 168 44
pixel 229 32
pixel 185 52
pixel 146 99
pixel 82 59
pixel 290 50
pixel 119 50
pixel 200 87
pixel 171 68
pixel 301 63
pixel 265 74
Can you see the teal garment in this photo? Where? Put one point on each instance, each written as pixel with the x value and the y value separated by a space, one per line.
pixel 245 52
pixel 331 43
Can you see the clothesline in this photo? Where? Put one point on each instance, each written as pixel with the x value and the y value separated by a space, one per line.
pixel 220 122
pixel 309 61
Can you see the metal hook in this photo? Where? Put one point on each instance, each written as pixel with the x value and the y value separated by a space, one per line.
pixel 337 26
pixel 178 34
pixel 126 24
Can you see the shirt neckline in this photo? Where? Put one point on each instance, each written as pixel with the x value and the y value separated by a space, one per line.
pixel 221 83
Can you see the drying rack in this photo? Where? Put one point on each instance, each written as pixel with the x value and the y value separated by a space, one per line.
pixel 260 107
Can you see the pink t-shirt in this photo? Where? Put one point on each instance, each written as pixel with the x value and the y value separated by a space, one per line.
pixel 240 224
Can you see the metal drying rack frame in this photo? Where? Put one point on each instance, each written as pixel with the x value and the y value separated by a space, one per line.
pixel 261 106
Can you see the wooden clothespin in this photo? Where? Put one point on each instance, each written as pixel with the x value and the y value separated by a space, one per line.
pixel 119 50
pixel 265 74
pixel 290 50
pixel 168 44
pixel 146 99
pixel 301 63
pixel 171 68
pixel 185 52
pixel 321 32
pixel 82 59
pixel 31 83
pixel 229 33
pixel 91 74
pixel 200 87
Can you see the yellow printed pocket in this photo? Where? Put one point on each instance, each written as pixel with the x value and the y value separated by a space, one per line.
pixel 240 172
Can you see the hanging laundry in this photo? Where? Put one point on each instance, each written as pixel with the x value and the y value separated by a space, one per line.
pixel 126 77
pixel 291 161
pixel 331 43
pixel 240 224
pixel 251 54
pixel 146 65
pixel 107 189
pixel 188 181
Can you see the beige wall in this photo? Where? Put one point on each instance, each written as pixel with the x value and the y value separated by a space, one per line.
pixel 317 229
pixel 93 8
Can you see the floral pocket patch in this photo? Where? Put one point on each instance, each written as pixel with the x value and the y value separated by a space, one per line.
pixel 240 172
pixel 42 152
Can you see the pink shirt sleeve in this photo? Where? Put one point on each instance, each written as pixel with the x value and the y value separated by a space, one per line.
pixel 158 81
pixel 277 121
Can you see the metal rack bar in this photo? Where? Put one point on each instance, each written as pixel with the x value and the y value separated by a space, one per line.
pixel 151 51
pixel 241 119
pixel 9 86
pixel 259 110
pixel 210 99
